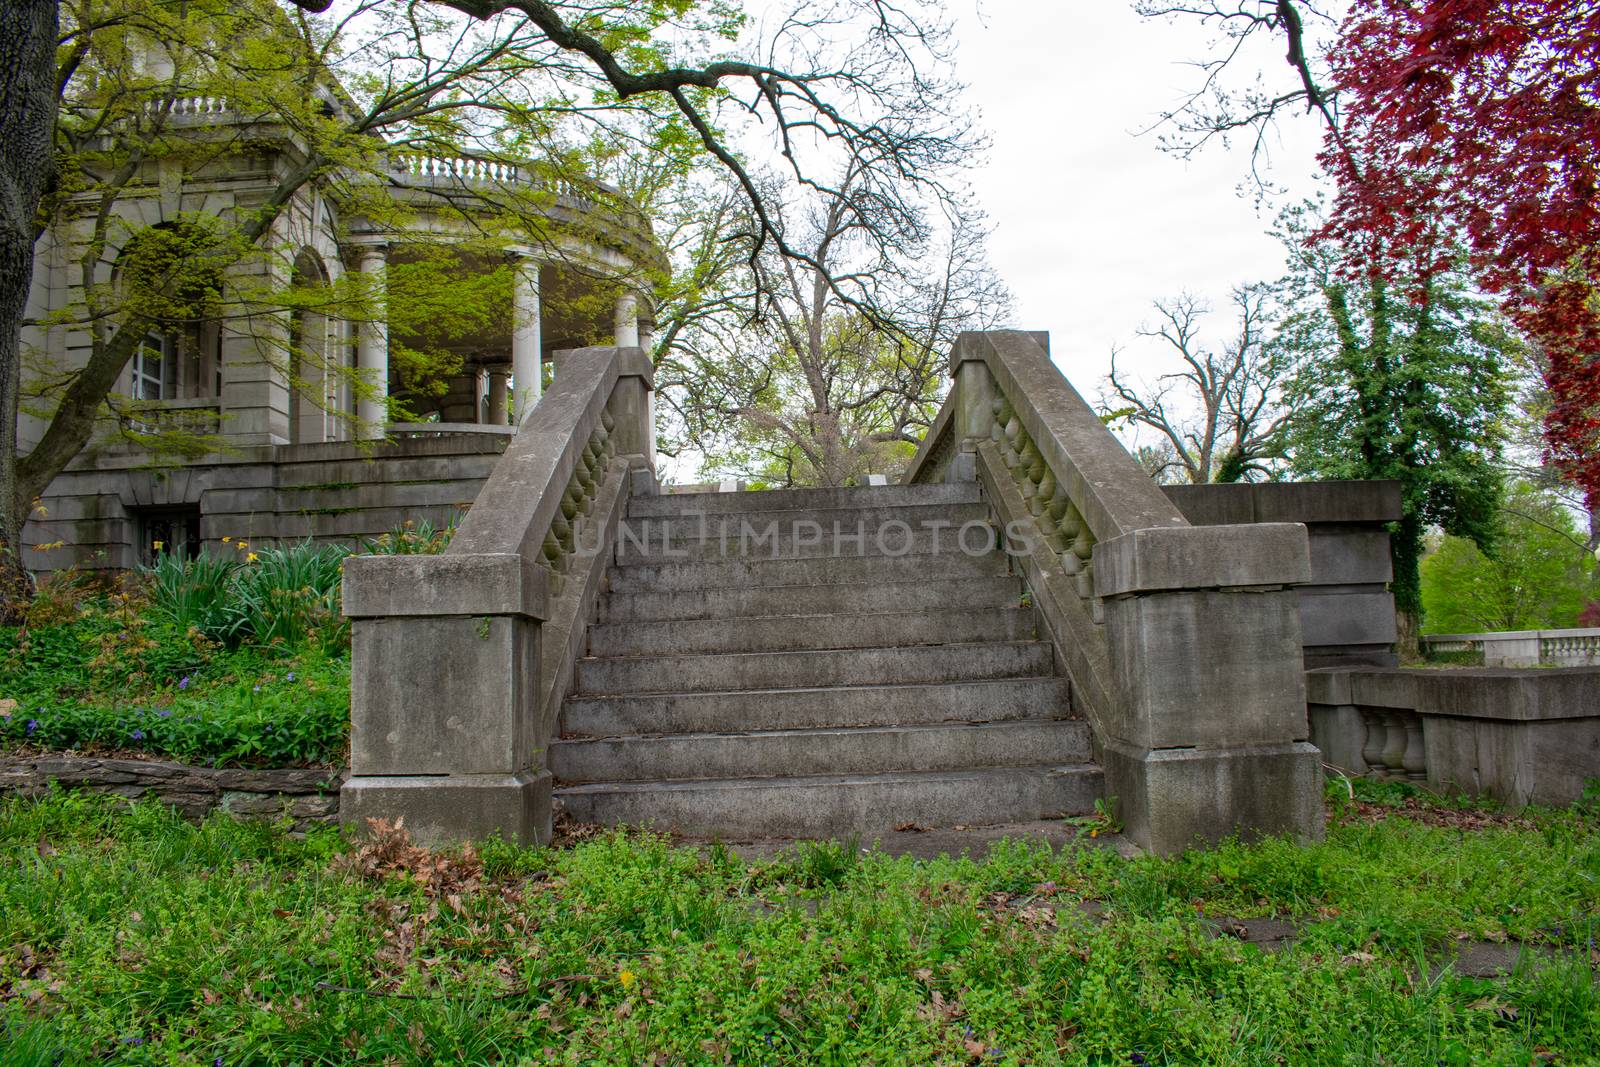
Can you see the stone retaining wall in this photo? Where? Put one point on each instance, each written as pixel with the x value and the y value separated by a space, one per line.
pixel 307 795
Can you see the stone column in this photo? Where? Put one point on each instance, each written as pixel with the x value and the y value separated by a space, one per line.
pixel 1208 732
pixel 626 332
pixel 526 341
pixel 632 410
pixel 498 394
pixel 372 345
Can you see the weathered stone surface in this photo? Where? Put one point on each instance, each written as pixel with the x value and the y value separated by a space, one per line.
pixel 306 795
pixel 443 695
pixel 1339 732
pixel 1202 557
pixel 1205 668
pixel 1173 799
pixel 448 809
pixel 449 584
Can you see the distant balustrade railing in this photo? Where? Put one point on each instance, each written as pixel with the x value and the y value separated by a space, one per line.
pixel 1578 647
pixel 406 431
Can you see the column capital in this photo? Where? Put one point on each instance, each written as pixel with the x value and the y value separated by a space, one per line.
pixel 522 254
pixel 366 249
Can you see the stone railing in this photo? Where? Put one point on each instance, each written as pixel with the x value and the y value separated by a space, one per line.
pixel 460 660
pixel 479 170
pixel 1522 736
pixel 412 431
pixel 1524 648
pixel 1182 642
pixel 195 415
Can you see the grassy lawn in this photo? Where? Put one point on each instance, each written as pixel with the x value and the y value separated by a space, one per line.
pixel 132 937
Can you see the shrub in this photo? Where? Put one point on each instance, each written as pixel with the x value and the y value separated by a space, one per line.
pixel 413 539
pixel 274 596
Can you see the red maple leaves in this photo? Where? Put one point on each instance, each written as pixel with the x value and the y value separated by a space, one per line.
pixel 1482 118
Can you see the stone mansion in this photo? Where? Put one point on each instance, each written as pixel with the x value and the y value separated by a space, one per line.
pixel 291 448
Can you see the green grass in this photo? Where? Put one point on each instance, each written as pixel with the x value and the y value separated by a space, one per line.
pixel 132 937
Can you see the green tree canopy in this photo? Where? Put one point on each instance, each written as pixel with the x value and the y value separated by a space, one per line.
pixel 1538 576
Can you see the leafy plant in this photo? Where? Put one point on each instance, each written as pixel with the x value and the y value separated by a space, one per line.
pixel 413 539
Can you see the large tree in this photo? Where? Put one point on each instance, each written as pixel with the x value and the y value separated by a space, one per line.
pixel 1476 119
pixel 519 79
pixel 1219 417
pixel 806 385
pixel 1399 374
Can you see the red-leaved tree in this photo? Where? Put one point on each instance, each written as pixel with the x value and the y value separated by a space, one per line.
pixel 1483 117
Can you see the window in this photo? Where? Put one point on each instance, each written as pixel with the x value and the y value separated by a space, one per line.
pixel 168 531
pixel 155 367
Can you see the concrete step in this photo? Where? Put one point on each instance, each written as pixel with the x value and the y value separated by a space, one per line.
pixel 833 750
pixel 773 499
pixel 988 700
pixel 782 670
pixel 957 594
pixel 761 528
pixel 976 536
pixel 774 633
pixel 831 805
pixel 830 570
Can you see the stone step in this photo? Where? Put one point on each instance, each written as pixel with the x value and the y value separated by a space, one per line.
pixel 851 571
pixel 976 536
pixel 828 805
pixel 988 700
pixel 963 594
pixel 766 526
pixel 835 750
pixel 773 633
pixel 711 672
pixel 774 499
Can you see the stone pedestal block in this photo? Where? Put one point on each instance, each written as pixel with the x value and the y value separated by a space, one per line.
pixel 1175 798
pixel 448 809
pixel 444 695
pixel 1206 667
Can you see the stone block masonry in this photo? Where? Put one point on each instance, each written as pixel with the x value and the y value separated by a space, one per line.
pixel 306 796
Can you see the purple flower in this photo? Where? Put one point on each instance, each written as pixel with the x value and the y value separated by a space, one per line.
pixel 164 714
pixel 184 684
pixel 33 724
pixel 290 678
pixel 257 689
pixel 137 735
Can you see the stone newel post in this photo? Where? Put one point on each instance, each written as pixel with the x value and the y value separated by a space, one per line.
pixel 1206 732
pixel 444 694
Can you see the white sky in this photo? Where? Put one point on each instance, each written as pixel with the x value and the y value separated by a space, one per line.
pixel 1093 221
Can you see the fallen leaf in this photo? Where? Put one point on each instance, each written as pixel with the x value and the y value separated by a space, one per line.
pixel 1358 957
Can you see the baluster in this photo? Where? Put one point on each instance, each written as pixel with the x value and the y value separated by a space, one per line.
pixel 997 428
pixel 1372 739
pixel 1394 745
pixel 1034 468
pixel 1415 758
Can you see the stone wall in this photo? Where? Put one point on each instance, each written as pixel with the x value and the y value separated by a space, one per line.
pixel 1529 736
pixel 1347 611
pixel 307 795
pixel 340 492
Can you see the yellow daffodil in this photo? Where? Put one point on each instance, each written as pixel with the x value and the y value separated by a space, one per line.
pixel 251 558
pixel 225 540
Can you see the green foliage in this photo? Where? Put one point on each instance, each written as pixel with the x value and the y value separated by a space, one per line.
pixel 413 539
pixel 132 937
pixel 1538 574
pixel 1399 376
pixel 129 673
pixel 283 596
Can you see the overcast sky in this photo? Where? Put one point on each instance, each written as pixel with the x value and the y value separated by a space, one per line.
pixel 1092 221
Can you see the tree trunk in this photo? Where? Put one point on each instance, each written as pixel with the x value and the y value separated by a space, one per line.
pixel 1406 541
pixel 28 30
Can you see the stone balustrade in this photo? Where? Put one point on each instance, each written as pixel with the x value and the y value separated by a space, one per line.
pixel 1579 647
pixel 459 661
pixel 1522 736
pixel 1182 642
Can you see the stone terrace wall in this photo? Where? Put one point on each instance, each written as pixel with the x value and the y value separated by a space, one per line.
pixel 307 796
pixel 1524 736
pixel 1347 612
pixel 328 492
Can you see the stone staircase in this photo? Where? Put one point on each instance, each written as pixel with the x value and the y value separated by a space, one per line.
pixel 803 662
